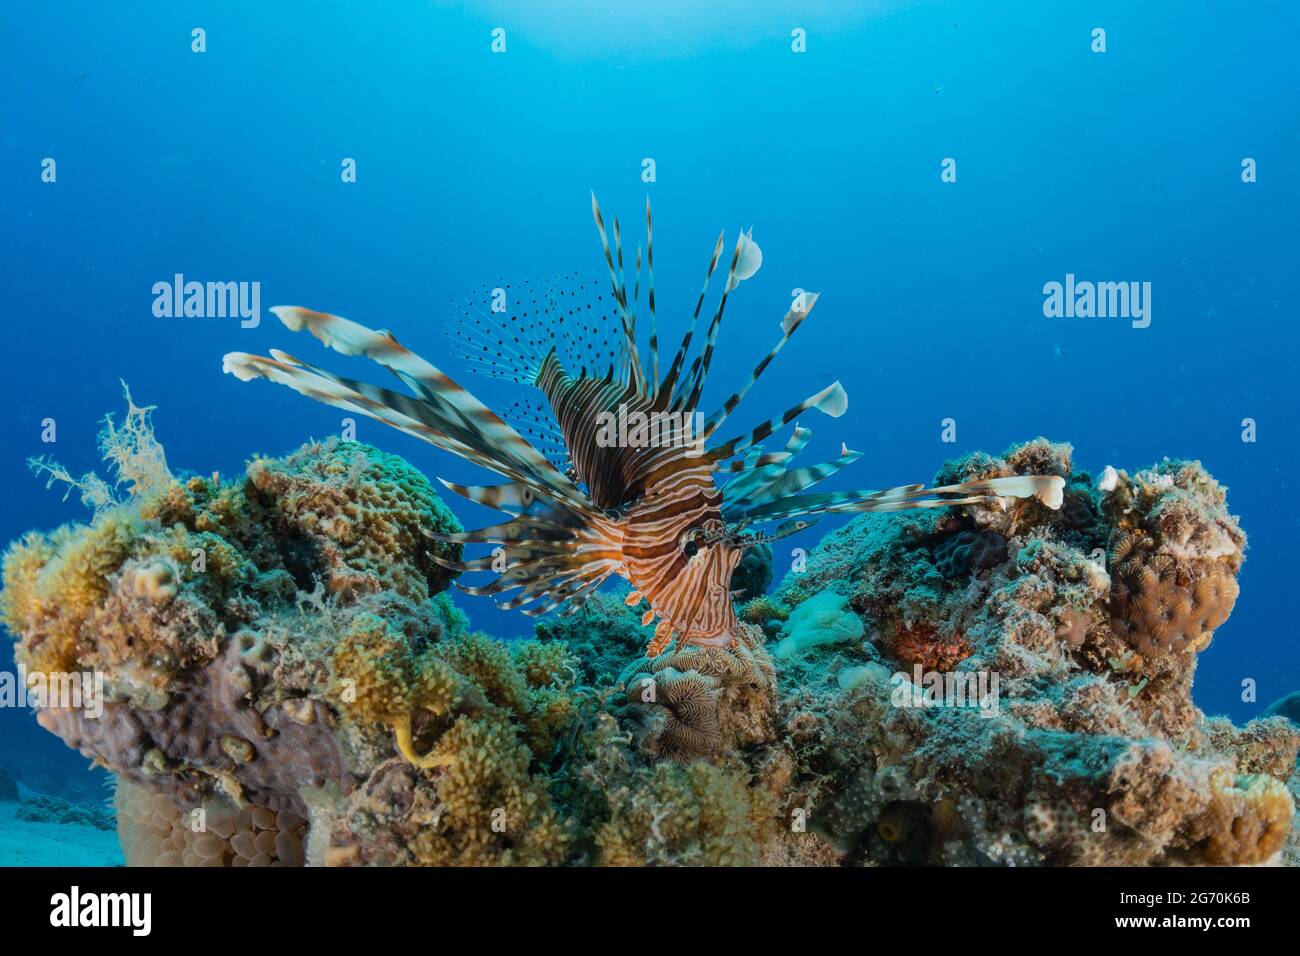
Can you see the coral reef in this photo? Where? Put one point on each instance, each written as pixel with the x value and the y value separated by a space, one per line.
pixel 45 809
pixel 702 702
pixel 287 683
pixel 1088 749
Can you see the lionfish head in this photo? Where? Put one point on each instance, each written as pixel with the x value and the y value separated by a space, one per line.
pixel 701 606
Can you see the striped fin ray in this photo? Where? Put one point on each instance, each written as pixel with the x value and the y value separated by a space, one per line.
pixel 830 400
pixel 758 466
pixel 378 404
pixel 406 414
pixel 693 383
pixel 620 294
pixel 669 383
pixel 650 284
pixel 551 557
pixel 785 484
pixel 1047 489
pixel 551 591
pixel 789 324
pixel 458 414
pixel 516 498
pixel 526 532
pixel 573 595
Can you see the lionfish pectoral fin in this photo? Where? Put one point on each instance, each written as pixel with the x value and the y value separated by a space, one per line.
pixel 1048 489
pixel 793 319
pixel 442 412
pixel 832 400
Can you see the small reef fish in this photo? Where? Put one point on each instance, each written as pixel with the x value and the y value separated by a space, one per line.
pixel 672 518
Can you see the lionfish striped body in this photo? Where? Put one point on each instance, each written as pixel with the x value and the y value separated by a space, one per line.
pixel 641 503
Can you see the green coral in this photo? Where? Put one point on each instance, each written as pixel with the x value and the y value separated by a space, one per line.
pixel 763 609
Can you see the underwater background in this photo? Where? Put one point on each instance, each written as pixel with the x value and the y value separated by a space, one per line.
pixel 474 167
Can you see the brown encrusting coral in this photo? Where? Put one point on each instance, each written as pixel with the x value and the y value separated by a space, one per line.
pixel 979 685
pixel 1174 555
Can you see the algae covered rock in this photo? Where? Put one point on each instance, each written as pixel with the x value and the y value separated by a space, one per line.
pixel 968 686
pixel 1033 709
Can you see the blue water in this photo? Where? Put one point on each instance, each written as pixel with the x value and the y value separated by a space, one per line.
pixel 1123 165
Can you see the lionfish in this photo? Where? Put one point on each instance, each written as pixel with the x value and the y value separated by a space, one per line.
pixel 674 516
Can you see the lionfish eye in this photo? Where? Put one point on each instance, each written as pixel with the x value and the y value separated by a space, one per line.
pixel 691 548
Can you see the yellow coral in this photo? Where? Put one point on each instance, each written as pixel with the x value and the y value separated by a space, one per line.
pixel 23 561
pixel 52 585
pixel 378 679
pixel 1248 819
pixel 763 609
pixel 492 811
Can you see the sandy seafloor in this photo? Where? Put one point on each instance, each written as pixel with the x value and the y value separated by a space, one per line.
pixel 54 844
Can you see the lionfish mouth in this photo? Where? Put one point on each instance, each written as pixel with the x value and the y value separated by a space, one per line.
pixel 558 544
